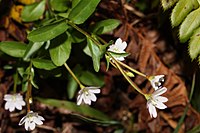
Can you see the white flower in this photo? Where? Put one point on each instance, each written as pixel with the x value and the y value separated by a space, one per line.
pixel 118 47
pixel 14 101
pixel 156 81
pixel 87 95
pixel 30 120
pixel 156 101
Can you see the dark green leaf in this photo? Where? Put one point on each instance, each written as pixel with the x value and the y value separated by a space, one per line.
pixel 43 64
pixel 83 110
pixel 105 26
pixel 181 10
pixel 91 79
pixel 31 49
pixel 194 44
pixel 14 49
pixel 60 5
pixel 33 12
pixel 83 10
pixel 188 26
pixel 74 3
pixel 48 32
pixel 60 49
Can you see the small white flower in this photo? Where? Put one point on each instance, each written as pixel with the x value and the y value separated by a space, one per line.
pixel 118 47
pixel 156 81
pixel 156 101
pixel 14 101
pixel 87 95
pixel 30 120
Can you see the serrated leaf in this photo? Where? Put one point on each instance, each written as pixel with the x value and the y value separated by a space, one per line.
pixel 83 10
pixel 14 49
pixel 166 4
pixel 31 49
pixel 181 10
pixel 194 44
pixel 60 49
pixel 188 26
pixel 60 5
pixel 33 12
pixel 43 64
pixel 105 26
pixel 84 110
pixel 48 32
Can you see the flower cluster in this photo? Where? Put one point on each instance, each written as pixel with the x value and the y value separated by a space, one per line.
pixel 16 101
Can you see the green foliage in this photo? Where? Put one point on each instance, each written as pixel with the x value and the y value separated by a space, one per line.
pixel 60 49
pixel 60 5
pixel 83 10
pixel 84 110
pixel 14 49
pixel 43 64
pixel 48 32
pixel 187 14
pixel 168 3
pixel 33 12
pixel 105 26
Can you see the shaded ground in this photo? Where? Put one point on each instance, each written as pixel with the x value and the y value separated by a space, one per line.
pixel 154 50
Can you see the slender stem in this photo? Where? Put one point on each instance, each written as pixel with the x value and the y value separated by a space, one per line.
pixel 125 76
pixel 74 76
pixel 83 32
pixel 15 82
pixel 131 69
pixel 29 89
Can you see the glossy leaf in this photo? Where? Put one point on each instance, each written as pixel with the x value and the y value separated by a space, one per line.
pixel 83 109
pixel 74 3
pixel 48 32
pixel 105 26
pixel 43 64
pixel 14 49
pixel 194 44
pixel 60 49
pixel 83 10
pixel 33 12
pixel 166 4
pixel 90 79
pixel 188 26
pixel 181 10
pixel 60 5
pixel 31 49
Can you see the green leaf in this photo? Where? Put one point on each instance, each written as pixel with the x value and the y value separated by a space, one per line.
pixel 105 26
pixel 181 10
pixel 72 84
pixel 60 5
pixel 83 109
pixel 90 79
pixel 60 49
pixel 191 22
pixel 196 129
pixel 117 55
pixel 31 49
pixel 14 49
pixel 48 32
pixel 95 53
pixel 166 4
pixel 43 64
pixel 194 44
pixel 83 10
pixel 74 3
pixel 33 12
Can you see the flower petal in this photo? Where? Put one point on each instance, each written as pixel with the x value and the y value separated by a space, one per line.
pixel 32 125
pixel 152 111
pixel 86 99
pixel 94 90
pixel 79 99
pixel 37 121
pixel 160 105
pixel 92 97
pixel 161 99
pixel 159 91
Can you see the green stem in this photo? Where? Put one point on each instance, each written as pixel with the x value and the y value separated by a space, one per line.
pixel 125 76
pixel 131 69
pixel 83 32
pixel 29 89
pixel 15 82
pixel 74 76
